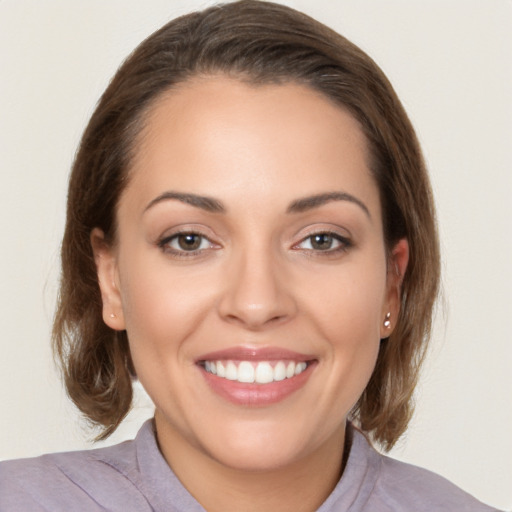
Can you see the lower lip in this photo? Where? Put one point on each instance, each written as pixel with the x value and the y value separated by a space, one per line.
pixel 257 395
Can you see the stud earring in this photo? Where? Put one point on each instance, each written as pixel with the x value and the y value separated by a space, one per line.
pixel 387 321
pixel 112 315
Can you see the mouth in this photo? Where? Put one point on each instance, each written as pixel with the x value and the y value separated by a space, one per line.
pixel 256 377
pixel 258 372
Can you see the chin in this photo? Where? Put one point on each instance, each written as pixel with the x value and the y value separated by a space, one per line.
pixel 263 456
pixel 264 446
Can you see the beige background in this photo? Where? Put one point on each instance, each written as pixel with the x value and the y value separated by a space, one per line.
pixel 451 63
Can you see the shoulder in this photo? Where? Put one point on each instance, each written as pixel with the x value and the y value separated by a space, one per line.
pixel 96 479
pixel 405 483
pixel 399 486
pixel 132 476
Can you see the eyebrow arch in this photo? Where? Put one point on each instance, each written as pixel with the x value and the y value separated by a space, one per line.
pixel 310 202
pixel 205 203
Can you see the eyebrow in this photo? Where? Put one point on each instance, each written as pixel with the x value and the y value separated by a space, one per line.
pixel 303 204
pixel 310 202
pixel 205 203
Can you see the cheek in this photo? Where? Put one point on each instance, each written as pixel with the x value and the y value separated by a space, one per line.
pixel 161 306
pixel 347 313
pixel 352 330
pixel 161 312
pixel 348 303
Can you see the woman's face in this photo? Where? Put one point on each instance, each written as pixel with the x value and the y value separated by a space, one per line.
pixel 250 270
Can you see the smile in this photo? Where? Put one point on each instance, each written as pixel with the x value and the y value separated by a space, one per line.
pixel 258 372
pixel 256 376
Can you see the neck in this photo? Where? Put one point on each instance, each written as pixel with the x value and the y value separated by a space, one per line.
pixel 300 486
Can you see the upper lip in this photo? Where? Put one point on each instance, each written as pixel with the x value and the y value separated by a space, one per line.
pixel 246 353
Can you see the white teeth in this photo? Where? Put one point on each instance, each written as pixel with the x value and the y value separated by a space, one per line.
pixel 221 370
pixel 210 367
pixel 264 373
pixel 231 371
pixel 245 372
pixel 300 368
pixel 290 370
pixel 280 371
pixel 261 372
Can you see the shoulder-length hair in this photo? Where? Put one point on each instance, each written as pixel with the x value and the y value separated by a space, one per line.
pixel 260 43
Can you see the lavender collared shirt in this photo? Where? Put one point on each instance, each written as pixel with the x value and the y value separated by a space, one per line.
pixel 134 476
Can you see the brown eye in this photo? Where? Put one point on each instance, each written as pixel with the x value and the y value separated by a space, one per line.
pixel 189 241
pixel 322 242
pixel 185 244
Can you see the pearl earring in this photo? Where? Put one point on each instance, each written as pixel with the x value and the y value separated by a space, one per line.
pixel 387 321
pixel 112 315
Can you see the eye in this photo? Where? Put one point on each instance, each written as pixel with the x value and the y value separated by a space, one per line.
pixel 188 242
pixel 324 242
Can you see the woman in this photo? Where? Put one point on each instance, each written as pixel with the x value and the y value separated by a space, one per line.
pixel 250 233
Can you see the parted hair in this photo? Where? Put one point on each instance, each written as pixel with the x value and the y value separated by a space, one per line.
pixel 259 43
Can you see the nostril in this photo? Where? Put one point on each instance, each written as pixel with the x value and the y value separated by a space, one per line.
pixel 255 296
pixel 255 320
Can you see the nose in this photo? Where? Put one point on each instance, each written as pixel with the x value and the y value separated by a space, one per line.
pixel 257 293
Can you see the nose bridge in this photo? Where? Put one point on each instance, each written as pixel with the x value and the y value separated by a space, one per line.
pixel 256 291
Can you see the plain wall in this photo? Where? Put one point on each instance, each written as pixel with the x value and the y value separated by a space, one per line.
pixel 451 64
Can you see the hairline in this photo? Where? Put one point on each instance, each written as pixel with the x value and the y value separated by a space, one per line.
pixel 134 141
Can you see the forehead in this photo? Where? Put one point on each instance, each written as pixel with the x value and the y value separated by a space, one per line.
pixel 219 134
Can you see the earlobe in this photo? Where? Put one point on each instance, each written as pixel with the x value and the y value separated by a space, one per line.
pixel 106 268
pixel 397 267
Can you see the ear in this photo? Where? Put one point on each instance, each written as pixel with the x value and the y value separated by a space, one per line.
pixel 397 265
pixel 108 280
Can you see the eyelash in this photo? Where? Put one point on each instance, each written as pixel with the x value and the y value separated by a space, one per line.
pixel 344 244
pixel 164 244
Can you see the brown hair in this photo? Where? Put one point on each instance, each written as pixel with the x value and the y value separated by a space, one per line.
pixel 258 42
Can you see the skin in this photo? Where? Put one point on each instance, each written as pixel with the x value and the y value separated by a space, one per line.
pixel 256 281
